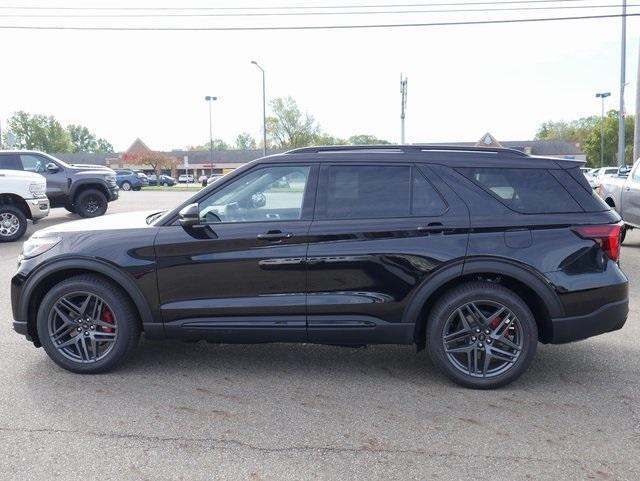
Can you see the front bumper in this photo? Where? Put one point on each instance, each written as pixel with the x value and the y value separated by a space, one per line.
pixel 39 207
pixel 114 193
pixel 607 318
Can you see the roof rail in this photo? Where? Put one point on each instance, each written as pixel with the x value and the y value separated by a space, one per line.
pixel 404 148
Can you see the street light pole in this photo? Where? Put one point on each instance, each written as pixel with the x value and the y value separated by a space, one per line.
pixel 602 96
pixel 210 99
pixel 264 110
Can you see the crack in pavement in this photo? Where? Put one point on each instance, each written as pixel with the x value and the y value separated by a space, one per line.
pixel 231 443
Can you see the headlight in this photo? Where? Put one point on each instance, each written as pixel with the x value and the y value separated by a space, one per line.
pixel 38 245
pixel 38 189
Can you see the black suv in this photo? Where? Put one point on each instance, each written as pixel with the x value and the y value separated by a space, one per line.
pixel 475 254
pixel 82 189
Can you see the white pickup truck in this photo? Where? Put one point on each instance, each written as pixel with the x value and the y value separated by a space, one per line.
pixel 23 195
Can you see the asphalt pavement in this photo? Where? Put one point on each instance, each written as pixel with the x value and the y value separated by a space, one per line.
pixel 200 411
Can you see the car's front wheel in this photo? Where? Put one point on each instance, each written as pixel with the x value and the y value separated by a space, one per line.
pixel 481 335
pixel 87 325
pixel 126 185
pixel 91 203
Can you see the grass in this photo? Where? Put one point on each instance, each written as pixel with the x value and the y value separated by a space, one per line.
pixel 175 188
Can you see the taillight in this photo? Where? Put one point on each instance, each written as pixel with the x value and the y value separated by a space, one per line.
pixel 606 235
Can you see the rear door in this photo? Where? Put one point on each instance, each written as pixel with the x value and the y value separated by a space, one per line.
pixel 379 231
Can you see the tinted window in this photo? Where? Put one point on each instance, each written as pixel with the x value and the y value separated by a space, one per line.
pixel 10 162
pixel 426 201
pixel 529 191
pixel 363 192
pixel 265 194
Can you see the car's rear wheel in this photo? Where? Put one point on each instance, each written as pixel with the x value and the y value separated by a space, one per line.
pixel 13 223
pixel 91 203
pixel 126 185
pixel 481 335
pixel 87 325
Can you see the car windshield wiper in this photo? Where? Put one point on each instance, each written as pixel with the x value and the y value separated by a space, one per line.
pixel 153 217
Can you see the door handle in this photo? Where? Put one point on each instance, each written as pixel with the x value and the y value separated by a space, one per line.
pixel 275 235
pixel 627 188
pixel 434 227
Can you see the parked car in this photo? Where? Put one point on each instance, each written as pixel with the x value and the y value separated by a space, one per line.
pixel 476 254
pixel 82 189
pixel 185 179
pixel 622 193
pixel 127 179
pixel 143 178
pixel 23 195
pixel 165 180
pixel 213 177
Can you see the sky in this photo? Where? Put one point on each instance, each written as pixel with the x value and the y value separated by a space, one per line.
pixel 462 80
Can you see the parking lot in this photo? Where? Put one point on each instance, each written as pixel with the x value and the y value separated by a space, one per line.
pixel 201 411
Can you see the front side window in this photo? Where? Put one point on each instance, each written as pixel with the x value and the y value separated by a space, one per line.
pixel 264 194
pixel 33 163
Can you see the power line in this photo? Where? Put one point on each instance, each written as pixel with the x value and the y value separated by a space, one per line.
pixel 324 13
pixel 317 27
pixel 290 7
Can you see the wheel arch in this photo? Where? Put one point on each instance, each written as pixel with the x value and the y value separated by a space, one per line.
pixel 50 274
pixel 80 186
pixel 16 200
pixel 530 285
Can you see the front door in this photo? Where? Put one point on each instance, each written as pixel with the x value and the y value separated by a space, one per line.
pixel 241 275
pixel 630 197
pixel 379 231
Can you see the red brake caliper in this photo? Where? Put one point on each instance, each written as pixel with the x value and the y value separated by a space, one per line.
pixel 107 316
pixel 496 322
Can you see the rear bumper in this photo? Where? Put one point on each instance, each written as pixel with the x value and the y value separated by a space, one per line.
pixel 607 318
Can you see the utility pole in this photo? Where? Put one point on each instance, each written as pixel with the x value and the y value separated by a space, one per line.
pixel 602 96
pixel 403 105
pixel 623 59
pixel 636 128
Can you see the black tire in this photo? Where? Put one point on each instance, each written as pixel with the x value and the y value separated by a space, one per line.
pixel 126 185
pixel 71 208
pixel 13 223
pixel 127 333
pixel 447 308
pixel 91 203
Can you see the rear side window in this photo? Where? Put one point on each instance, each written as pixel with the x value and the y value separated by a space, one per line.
pixel 528 191
pixel 380 191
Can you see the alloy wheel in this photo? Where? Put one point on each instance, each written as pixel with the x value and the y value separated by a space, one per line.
pixel 483 339
pixel 91 204
pixel 9 224
pixel 82 327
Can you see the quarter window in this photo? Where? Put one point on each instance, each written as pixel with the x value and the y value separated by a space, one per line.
pixel 528 191
pixel 265 194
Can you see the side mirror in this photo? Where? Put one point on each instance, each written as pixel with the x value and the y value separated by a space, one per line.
pixel 52 168
pixel 189 216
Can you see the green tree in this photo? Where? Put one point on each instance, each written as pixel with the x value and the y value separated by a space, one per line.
pixel 39 132
pixel 82 139
pixel 288 127
pixel 591 146
pixel 575 131
pixel 103 145
pixel 326 139
pixel 245 141
pixel 364 139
